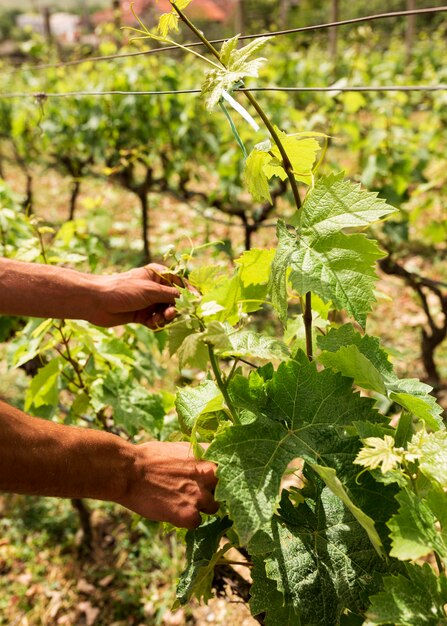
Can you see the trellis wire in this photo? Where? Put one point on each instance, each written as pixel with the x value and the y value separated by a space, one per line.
pixel 301 29
pixel 42 95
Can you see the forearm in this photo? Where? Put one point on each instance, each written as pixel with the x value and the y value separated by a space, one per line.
pixel 31 289
pixel 38 457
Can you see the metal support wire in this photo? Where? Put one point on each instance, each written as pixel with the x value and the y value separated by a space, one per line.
pixel 302 29
pixel 42 95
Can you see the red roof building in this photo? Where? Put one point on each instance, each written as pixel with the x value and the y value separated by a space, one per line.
pixel 200 10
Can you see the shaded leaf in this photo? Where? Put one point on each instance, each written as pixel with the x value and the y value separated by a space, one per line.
pixel 417 599
pixel 202 553
pixel 320 558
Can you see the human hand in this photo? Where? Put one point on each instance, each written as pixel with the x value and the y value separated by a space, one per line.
pixel 169 485
pixel 145 295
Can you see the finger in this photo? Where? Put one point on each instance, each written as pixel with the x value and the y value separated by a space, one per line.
pixel 169 313
pixel 192 521
pixel 207 474
pixel 162 294
pixel 208 504
pixel 160 273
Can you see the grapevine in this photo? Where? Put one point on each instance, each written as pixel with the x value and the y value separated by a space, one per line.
pixel 333 551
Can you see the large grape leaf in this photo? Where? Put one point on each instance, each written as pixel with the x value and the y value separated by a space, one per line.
pixel 417 599
pixel 265 598
pixel 336 203
pixel 369 346
pixel 324 259
pixel 362 358
pixel 320 558
pixel 305 414
pixel 351 362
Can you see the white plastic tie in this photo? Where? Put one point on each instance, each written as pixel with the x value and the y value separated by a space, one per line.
pixel 240 109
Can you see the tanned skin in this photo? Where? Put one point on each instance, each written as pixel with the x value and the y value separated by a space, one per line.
pixel 159 480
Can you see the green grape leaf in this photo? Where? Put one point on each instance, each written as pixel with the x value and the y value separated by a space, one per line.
pixel 255 178
pixel 193 352
pixel 431 451
pixel 238 58
pixel 247 343
pixel 255 266
pixel 280 267
pixel 329 476
pixel 325 260
pixel 192 402
pixel 302 152
pixel 168 22
pixel 134 407
pixel 202 554
pixel 227 49
pixel 415 397
pixel 351 362
pixel 206 277
pixel 379 452
pixel 44 387
pixel 238 67
pixel 413 532
pixel 417 599
pixel 337 267
pixel 265 598
pixel 234 299
pixel 320 558
pixel 336 203
pixel 178 332
pixel 362 358
pixel 304 415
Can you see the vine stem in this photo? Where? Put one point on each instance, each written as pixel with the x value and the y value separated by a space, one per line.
pixel 259 110
pixel 439 563
pixel 68 357
pixel 307 314
pixel 231 374
pixel 307 317
pixel 221 385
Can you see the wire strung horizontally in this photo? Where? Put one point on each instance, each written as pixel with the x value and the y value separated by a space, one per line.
pixel 302 29
pixel 42 95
